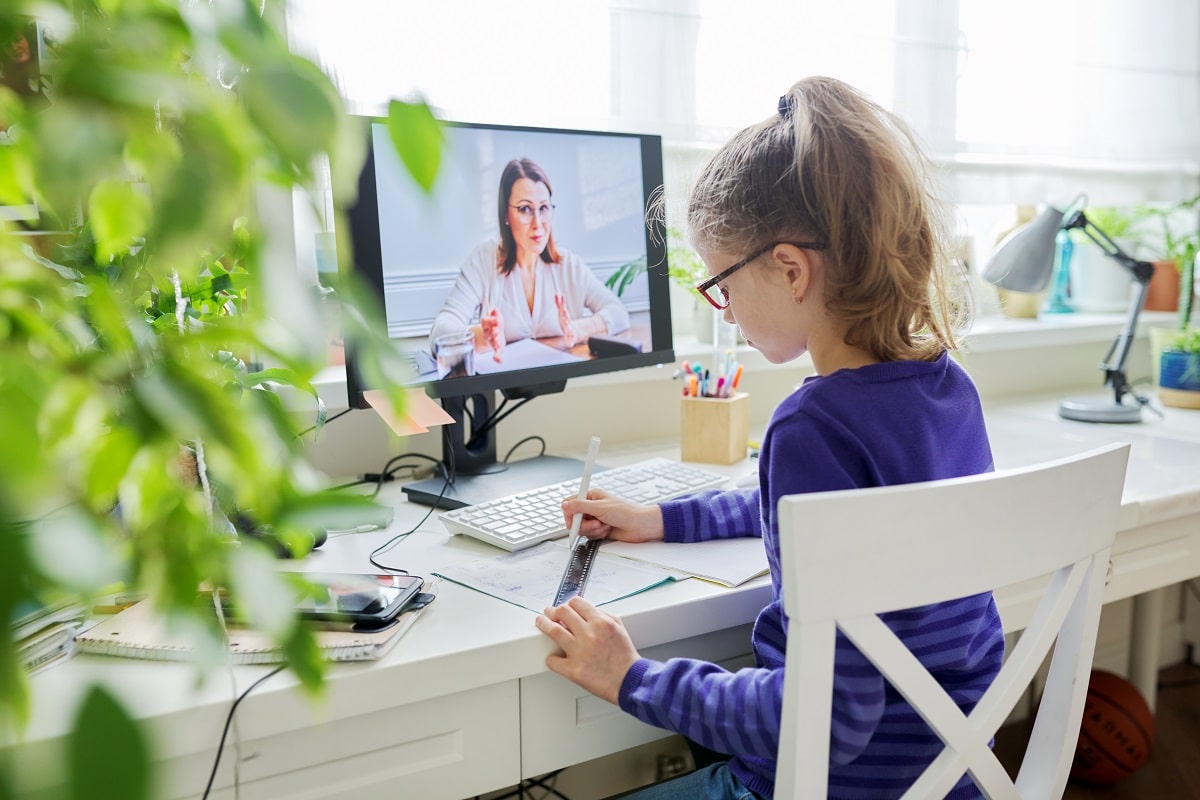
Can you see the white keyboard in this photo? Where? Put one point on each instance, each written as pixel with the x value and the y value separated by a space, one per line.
pixel 525 519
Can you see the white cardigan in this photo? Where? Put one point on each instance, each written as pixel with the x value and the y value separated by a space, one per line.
pixel 479 280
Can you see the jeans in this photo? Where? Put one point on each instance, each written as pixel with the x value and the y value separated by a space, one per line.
pixel 713 782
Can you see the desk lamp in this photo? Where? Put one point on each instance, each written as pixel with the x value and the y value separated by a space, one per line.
pixel 1024 262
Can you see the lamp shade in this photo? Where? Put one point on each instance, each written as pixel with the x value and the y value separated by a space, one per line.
pixel 1024 260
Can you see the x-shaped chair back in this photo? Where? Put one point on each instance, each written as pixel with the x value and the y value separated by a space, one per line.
pixel 849 556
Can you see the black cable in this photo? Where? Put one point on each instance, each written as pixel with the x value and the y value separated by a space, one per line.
pixel 495 419
pixel 487 424
pixel 392 542
pixel 331 419
pixel 533 438
pixel 229 721
pixel 390 469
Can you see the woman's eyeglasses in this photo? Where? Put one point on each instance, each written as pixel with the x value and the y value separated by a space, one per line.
pixel 718 296
pixel 526 212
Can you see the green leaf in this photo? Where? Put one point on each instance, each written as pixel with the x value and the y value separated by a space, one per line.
pixel 292 108
pixel 108 755
pixel 418 138
pixel 119 214
pixel 15 569
pixel 304 657
pixel 11 192
pixel 109 463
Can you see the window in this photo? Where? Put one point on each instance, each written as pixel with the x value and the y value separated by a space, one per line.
pixel 1024 102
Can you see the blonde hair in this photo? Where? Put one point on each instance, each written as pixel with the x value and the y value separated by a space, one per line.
pixel 835 167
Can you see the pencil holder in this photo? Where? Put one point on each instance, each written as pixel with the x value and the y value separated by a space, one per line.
pixel 714 430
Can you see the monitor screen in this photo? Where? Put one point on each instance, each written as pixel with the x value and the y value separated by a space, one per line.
pixel 530 262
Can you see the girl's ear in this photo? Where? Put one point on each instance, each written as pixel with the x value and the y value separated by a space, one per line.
pixel 798 267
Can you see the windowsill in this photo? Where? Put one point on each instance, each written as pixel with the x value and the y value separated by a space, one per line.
pixel 990 334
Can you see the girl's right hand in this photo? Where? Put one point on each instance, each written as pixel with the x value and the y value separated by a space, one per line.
pixel 493 332
pixel 608 517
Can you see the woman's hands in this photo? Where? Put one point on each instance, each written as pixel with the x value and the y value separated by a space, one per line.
pixel 492 324
pixel 608 517
pixel 595 649
pixel 570 331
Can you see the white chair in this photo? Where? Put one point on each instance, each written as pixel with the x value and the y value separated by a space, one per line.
pixel 849 556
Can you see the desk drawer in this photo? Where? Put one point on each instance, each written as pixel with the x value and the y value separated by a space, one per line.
pixel 448 747
pixel 562 725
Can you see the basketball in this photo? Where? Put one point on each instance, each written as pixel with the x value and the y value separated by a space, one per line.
pixel 1116 733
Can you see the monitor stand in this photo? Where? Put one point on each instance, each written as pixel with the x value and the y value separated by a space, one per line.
pixel 469 454
pixel 470 490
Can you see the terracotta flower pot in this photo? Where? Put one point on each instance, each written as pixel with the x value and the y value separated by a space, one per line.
pixel 1163 292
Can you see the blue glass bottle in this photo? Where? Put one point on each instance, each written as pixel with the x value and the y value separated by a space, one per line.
pixel 1058 301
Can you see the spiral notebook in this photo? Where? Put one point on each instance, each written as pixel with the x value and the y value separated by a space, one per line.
pixel 141 632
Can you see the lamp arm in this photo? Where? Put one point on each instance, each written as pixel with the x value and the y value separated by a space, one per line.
pixel 1114 368
pixel 1142 272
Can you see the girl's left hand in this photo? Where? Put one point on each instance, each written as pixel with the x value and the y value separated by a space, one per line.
pixel 570 332
pixel 596 648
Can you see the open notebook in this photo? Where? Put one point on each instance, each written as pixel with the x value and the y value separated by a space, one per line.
pixel 729 562
pixel 141 632
pixel 529 578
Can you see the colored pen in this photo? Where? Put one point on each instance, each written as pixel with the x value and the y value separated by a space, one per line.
pixel 720 392
pixel 589 462
pixel 737 377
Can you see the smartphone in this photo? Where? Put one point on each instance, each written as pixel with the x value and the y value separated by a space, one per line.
pixel 356 601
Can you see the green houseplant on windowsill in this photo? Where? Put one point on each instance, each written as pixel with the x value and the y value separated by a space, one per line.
pixel 686 269
pixel 1174 235
pixel 1179 363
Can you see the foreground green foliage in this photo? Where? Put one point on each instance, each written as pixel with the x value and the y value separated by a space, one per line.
pixel 136 311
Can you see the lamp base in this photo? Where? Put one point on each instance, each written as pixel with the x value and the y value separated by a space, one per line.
pixel 1090 409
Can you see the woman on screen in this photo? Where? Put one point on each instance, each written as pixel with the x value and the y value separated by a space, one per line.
pixel 524 285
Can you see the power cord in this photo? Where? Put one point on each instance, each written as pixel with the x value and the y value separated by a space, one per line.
pixel 534 438
pixel 496 417
pixel 228 721
pixel 385 474
pixel 312 428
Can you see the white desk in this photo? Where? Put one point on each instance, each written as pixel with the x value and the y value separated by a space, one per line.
pixel 464 704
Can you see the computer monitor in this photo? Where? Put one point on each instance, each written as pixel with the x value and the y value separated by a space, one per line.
pixel 438 261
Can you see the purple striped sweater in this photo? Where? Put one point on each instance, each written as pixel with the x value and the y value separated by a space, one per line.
pixel 884 424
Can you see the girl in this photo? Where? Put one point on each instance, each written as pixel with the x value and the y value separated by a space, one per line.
pixel 821 235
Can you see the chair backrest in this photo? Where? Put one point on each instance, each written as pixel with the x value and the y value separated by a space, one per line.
pixel 851 555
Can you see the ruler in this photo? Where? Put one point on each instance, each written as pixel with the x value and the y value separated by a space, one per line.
pixel 579 567
pixel 583 552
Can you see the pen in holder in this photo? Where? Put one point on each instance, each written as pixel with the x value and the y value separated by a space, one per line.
pixel 714 430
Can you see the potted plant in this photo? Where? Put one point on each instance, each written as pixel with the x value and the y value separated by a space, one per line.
pixel 685 269
pixel 1179 363
pixel 1171 233
pixel 135 309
